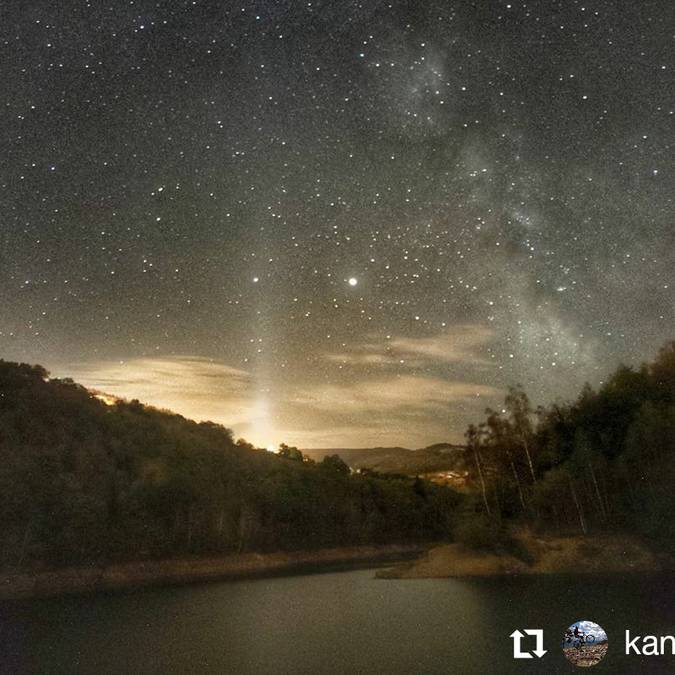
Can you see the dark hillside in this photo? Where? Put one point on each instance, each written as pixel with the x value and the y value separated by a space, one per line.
pixel 82 481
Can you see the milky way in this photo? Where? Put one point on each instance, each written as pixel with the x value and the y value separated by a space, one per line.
pixel 336 223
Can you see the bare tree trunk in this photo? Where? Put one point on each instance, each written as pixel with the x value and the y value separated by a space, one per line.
pixel 482 480
pixel 580 512
pixel 597 491
pixel 498 501
pixel 520 490
pixel 529 457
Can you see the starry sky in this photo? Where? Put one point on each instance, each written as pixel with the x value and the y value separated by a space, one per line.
pixel 336 223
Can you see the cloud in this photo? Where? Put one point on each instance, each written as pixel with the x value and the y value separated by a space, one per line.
pixel 394 395
pixel 462 344
pixel 384 408
pixel 414 391
pixel 199 388
pixel 391 410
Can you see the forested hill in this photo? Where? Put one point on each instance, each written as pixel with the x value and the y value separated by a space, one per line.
pixel 82 481
pixel 603 462
pixel 438 457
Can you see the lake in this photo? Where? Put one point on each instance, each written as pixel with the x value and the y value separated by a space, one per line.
pixel 344 622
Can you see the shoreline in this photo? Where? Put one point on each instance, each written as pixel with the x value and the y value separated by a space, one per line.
pixel 552 555
pixel 183 571
pixel 602 554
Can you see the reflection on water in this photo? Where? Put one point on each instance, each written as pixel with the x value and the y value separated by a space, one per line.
pixel 346 622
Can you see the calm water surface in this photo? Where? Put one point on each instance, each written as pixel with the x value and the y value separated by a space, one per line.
pixel 346 622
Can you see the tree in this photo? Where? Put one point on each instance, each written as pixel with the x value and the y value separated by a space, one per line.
pixel 473 445
pixel 518 406
pixel 290 453
pixel 335 463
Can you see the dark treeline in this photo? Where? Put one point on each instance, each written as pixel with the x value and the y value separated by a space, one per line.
pixel 81 481
pixel 605 461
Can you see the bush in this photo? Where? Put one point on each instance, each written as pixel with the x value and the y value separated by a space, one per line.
pixel 477 531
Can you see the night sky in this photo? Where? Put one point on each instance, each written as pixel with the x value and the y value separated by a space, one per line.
pixel 336 223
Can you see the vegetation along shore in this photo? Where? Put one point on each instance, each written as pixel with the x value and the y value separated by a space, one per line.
pixel 124 493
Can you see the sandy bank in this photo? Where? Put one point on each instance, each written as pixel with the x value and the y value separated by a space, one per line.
pixel 187 570
pixel 561 555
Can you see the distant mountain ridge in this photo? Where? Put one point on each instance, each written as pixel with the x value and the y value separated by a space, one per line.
pixel 433 458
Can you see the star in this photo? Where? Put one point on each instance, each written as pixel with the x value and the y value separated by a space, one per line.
pixel 483 210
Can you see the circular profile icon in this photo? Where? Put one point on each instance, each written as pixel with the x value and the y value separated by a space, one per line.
pixel 584 643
